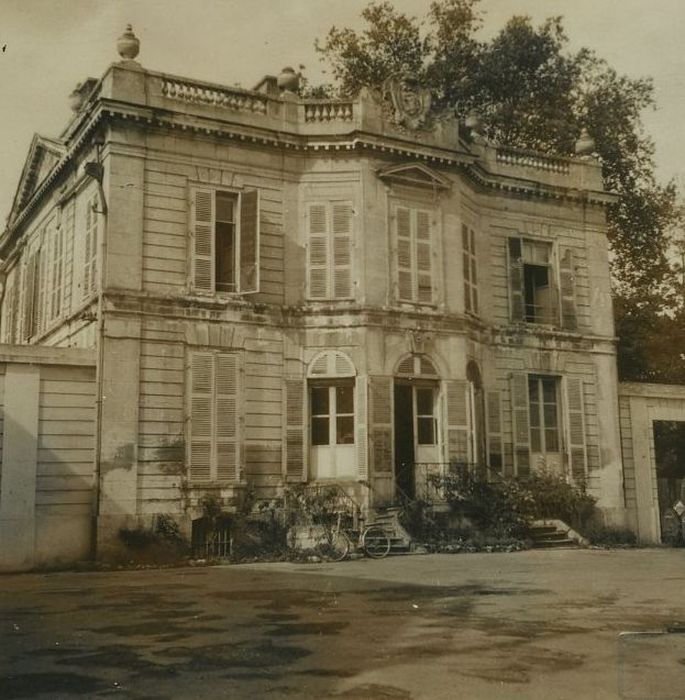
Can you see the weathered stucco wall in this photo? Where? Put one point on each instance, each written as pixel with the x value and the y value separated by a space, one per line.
pixel 47 474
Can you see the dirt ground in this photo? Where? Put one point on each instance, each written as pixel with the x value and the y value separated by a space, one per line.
pixel 538 624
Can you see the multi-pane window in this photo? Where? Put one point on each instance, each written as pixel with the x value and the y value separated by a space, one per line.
pixel 332 414
pixel 426 424
pixel 543 403
pixel 329 250
pixel 213 416
pixel 413 242
pixel 534 297
pixel 468 238
pixel 225 235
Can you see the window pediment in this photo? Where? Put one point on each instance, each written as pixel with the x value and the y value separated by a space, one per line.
pixel 414 174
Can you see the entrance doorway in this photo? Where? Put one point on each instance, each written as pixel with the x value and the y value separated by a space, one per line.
pixel 669 453
pixel 416 432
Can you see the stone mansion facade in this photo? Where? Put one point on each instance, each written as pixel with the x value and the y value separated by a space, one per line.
pixel 268 290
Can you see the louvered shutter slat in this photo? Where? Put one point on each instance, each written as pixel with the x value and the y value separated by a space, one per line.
pixel 515 279
pixel 361 427
pixel 342 250
pixel 521 422
pixel 295 430
pixel 249 242
pixel 203 216
pixel 226 417
pixel 318 253
pixel 457 422
pixel 380 424
pixel 201 416
pixel 567 290
pixel 575 418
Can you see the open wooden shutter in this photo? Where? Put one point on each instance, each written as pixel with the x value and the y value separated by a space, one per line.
pixel 362 441
pixel 226 417
pixel 342 250
pixel 521 423
pixel 248 278
pixel 380 424
pixel 202 213
pixel 567 289
pixel 29 295
pixel 457 422
pixel 405 282
pixel 515 279
pixel 494 414
pixel 295 429
pixel 201 415
pixel 423 257
pixel 575 422
pixel 317 252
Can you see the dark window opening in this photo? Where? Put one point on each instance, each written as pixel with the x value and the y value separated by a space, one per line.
pixel 537 294
pixel 225 241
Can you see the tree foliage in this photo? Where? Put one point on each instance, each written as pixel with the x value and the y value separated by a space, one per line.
pixel 531 91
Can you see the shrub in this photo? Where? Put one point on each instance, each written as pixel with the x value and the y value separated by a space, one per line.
pixel 609 535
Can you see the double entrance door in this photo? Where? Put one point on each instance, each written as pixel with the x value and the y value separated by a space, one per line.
pixel 416 433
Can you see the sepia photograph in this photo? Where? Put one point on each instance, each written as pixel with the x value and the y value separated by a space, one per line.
pixel 342 350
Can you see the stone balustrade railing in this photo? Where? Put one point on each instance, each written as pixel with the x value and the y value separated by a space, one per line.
pixel 511 156
pixel 219 97
pixel 328 111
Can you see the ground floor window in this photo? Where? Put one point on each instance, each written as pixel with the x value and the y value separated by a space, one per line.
pixel 543 396
pixel 332 429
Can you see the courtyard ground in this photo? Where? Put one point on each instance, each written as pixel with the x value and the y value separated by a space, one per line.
pixel 536 624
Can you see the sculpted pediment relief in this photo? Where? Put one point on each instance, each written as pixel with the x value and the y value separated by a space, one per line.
pixel 415 174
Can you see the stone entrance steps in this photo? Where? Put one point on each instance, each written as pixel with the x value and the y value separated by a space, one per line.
pixel 553 534
pixel 388 519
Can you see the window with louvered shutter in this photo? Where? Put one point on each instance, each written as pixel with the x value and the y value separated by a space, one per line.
pixel 413 255
pixel 90 263
pixel 470 269
pixel 521 422
pixel 575 428
pixel 248 273
pixel 494 418
pixel 567 289
pixel 295 429
pixel 380 423
pixel 213 417
pixel 457 422
pixel 202 211
pixel 329 250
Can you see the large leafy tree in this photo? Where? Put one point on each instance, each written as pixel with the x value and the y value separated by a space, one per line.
pixel 531 92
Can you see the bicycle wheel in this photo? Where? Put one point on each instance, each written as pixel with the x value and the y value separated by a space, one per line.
pixel 334 546
pixel 375 542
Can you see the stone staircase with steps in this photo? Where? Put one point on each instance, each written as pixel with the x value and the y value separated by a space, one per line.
pixel 552 534
pixel 388 518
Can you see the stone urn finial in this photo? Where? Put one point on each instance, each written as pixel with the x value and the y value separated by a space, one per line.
pixel 128 44
pixel 288 80
pixel 585 145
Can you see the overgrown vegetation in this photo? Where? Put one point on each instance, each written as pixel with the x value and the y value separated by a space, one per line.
pixel 162 543
pixel 530 91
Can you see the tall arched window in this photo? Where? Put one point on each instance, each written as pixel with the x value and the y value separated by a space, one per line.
pixel 332 399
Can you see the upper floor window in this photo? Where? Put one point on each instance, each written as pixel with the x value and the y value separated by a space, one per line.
pixel 413 240
pixel 225 235
pixel 329 250
pixel 468 238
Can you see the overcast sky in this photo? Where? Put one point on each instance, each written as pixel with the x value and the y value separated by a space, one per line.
pixel 49 45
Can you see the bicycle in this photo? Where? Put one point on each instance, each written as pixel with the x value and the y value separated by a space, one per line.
pixel 335 542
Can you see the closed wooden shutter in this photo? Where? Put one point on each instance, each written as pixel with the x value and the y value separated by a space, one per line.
pixel 494 416
pixel 86 250
pixel 567 289
pixel 342 249
pixel 380 424
pixel 362 441
pixel 226 417
pixel 521 423
pixel 457 422
pixel 317 252
pixel 575 426
pixel 295 429
pixel 202 216
pixel 424 274
pixel 56 284
pixel 249 242
pixel 201 415
pixel 515 279
pixel 405 279
pixel 40 308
